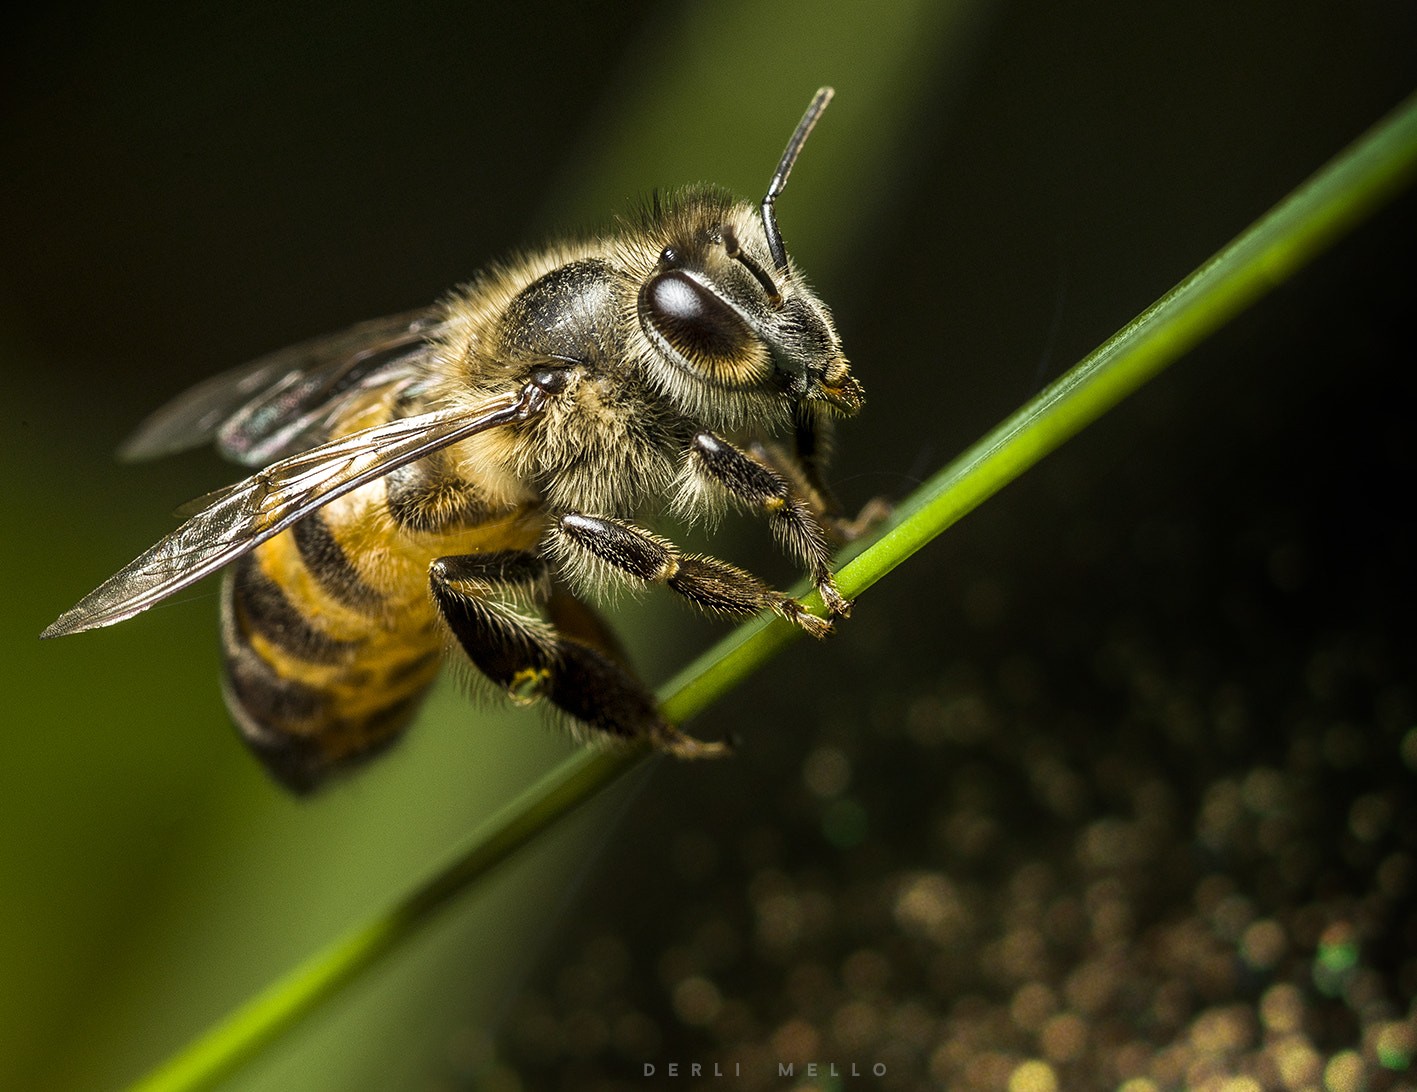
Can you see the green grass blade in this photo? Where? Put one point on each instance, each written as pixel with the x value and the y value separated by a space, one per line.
pixel 225 1047
pixel 1348 189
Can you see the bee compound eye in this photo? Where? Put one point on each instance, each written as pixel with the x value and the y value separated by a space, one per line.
pixel 691 318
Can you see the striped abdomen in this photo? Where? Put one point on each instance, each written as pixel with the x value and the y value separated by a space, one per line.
pixel 329 637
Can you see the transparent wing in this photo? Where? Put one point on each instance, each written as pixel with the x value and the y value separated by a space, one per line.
pixel 239 519
pixel 266 409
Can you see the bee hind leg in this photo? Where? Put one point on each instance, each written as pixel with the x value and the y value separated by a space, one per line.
pixel 573 660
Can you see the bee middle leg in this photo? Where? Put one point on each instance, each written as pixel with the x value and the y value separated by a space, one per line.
pixel 705 581
pixel 573 660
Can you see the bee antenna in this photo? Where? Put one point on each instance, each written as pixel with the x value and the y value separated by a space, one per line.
pixel 784 168
pixel 730 244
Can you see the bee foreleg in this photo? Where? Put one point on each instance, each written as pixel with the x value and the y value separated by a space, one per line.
pixel 705 581
pixel 790 515
pixel 580 671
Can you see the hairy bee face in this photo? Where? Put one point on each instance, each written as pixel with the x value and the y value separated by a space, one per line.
pixel 728 339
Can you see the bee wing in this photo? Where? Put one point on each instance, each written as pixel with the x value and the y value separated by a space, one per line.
pixel 241 518
pixel 284 402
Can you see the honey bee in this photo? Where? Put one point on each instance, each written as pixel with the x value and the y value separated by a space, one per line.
pixel 462 476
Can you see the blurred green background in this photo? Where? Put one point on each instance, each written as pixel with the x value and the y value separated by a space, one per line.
pixel 996 189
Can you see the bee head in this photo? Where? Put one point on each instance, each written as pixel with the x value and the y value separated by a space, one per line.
pixel 733 326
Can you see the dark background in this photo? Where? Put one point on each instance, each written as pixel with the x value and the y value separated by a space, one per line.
pixel 995 191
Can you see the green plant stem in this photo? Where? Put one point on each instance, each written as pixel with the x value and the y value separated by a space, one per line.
pixel 1349 188
pixel 244 1033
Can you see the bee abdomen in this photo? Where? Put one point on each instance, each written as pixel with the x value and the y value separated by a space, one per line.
pixel 325 559
pixel 307 703
pixel 263 608
pixel 425 496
